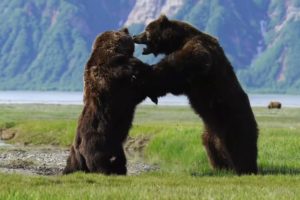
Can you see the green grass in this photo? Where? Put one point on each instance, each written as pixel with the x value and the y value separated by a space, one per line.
pixel 149 186
pixel 178 148
pixel 175 146
pixel 40 124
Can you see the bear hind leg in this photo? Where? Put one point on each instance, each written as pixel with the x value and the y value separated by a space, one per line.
pixel 118 162
pixel 75 162
pixel 243 152
pixel 98 162
pixel 107 162
pixel 216 151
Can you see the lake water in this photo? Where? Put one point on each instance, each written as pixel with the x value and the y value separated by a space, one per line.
pixel 75 98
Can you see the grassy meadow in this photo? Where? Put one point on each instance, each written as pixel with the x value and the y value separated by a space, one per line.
pixel 175 145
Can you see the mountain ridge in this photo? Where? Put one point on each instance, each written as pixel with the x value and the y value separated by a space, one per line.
pixel 45 44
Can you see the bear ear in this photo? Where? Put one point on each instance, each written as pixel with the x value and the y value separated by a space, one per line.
pixel 125 30
pixel 163 19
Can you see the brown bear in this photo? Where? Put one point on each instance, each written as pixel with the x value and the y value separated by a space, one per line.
pixel 113 86
pixel 274 104
pixel 195 65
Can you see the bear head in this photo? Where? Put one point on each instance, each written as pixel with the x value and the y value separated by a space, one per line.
pixel 109 44
pixel 163 36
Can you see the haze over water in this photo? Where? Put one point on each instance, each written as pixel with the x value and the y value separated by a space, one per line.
pixel 75 98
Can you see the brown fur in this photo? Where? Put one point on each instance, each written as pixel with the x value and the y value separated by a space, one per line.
pixel 113 86
pixel 274 104
pixel 195 65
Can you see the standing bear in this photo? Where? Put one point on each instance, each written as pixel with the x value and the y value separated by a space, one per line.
pixel 113 86
pixel 195 65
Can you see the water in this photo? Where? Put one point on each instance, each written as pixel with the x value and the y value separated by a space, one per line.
pixel 2 144
pixel 37 97
pixel 75 98
pixel 262 100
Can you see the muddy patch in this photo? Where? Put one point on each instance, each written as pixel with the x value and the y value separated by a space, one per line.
pixel 33 160
pixel 52 160
pixel 7 134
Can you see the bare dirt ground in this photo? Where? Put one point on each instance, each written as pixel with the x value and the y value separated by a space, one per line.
pixel 51 160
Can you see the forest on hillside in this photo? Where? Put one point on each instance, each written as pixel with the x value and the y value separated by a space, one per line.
pixel 45 44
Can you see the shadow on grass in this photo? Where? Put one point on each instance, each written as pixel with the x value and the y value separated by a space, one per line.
pixel 279 170
pixel 263 171
pixel 212 173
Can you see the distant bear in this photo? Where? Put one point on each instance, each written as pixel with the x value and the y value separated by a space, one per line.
pixel 113 86
pixel 196 65
pixel 274 104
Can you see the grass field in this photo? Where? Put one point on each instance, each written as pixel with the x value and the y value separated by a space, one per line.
pixel 175 146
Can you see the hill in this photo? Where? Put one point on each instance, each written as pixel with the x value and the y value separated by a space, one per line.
pixel 45 44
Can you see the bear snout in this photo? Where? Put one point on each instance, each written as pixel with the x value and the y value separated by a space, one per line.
pixel 140 39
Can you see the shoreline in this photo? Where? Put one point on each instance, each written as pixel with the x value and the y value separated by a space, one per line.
pixel 75 98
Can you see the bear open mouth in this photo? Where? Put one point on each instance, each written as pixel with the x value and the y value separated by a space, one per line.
pixel 147 51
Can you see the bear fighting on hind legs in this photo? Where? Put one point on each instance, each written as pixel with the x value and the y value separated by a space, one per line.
pixel 114 83
pixel 195 65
